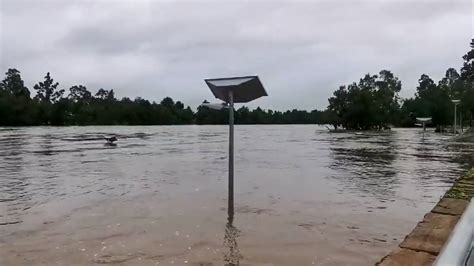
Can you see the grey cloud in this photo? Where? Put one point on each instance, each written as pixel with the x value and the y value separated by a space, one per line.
pixel 302 50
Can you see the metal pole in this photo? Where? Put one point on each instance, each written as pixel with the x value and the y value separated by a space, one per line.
pixel 424 129
pixel 455 119
pixel 230 209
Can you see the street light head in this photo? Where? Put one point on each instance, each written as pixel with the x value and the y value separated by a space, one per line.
pixel 423 119
pixel 233 90
pixel 215 106
pixel 456 101
pixel 244 89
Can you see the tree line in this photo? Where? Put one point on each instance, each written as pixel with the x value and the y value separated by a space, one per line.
pixel 78 106
pixel 371 103
pixel 374 102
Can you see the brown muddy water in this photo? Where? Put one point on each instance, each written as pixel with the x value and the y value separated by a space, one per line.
pixel 303 196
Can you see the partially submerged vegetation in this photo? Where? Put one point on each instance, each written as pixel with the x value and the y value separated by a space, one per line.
pixel 463 188
pixel 372 103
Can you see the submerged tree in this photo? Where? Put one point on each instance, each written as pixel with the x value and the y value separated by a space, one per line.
pixel 372 103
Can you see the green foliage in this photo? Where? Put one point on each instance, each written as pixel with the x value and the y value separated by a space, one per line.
pixel 47 91
pixel 106 95
pixel 13 85
pixel 374 102
pixel 80 94
pixel 15 103
pixel 371 103
pixel 467 78
pixel 243 115
pixel 433 100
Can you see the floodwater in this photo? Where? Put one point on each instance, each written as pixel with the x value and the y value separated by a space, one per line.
pixel 303 196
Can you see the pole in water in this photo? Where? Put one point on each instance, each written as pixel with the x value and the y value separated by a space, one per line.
pixel 424 129
pixel 230 209
pixel 455 102
pixel 234 90
pixel 423 121
pixel 455 119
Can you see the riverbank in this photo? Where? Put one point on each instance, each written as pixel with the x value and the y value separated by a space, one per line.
pixel 423 244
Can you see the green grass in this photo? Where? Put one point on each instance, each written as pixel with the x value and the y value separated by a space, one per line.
pixel 463 188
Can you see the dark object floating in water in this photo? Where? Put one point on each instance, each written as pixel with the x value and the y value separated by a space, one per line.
pixel 110 140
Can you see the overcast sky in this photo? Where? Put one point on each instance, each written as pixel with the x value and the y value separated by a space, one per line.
pixel 302 50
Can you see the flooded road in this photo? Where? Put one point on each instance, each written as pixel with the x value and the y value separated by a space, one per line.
pixel 303 196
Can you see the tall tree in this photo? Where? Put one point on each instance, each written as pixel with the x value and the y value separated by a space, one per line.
pixel 467 77
pixel 168 103
pixel 433 101
pixel 79 93
pixel 105 94
pixel 13 84
pixel 371 103
pixel 388 87
pixel 338 105
pixel 47 91
pixel 467 70
pixel 15 103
